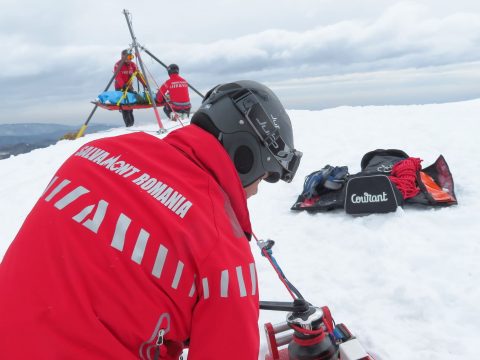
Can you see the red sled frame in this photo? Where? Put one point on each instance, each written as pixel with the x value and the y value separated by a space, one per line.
pixel 122 107
pixel 280 335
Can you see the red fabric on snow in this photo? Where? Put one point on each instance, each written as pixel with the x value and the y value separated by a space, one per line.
pixel 404 176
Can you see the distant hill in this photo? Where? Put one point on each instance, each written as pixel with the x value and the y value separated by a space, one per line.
pixel 22 138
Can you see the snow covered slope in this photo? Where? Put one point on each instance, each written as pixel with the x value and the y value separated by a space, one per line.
pixel 406 283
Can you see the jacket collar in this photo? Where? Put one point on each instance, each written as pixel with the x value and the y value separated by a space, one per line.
pixel 206 151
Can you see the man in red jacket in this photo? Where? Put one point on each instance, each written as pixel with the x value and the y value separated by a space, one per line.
pixel 139 246
pixel 122 81
pixel 173 94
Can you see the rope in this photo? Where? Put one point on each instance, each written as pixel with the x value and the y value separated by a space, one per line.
pixel 127 86
pixel 404 176
pixel 294 293
pixel 307 331
pixel 278 271
pixel 151 76
pixel 138 67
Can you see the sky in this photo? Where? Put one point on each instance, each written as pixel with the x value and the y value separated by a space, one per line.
pixel 59 55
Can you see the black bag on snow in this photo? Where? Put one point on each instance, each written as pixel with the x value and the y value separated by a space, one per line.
pixel 323 190
pixel 368 194
pixel 372 191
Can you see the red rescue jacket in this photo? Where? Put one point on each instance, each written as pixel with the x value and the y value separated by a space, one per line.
pixel 125 74
pixel 176 89
pixel 134 236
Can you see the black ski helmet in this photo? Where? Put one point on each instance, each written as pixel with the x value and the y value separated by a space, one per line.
pixel 173 69
pixel 253 127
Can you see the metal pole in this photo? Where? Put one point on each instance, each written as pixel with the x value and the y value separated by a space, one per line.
pixel 137 53
pixel 84 126
pixel 166 67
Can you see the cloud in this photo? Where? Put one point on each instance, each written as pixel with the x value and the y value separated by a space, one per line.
pixel 404 36
pixel 75 61
pixel 435 84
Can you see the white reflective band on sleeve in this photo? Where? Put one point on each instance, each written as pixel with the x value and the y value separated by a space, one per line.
pixel 57 189
pixel 178 275
pixel 193 288
pixel 118 240
pixel 241 283
pixel 140 245
pixel 159 261
pixel 94 224
pixel 253 276
pixel 55 178
pixel 71 197
pixel 224 284
pixel 83 214
pixel 206 291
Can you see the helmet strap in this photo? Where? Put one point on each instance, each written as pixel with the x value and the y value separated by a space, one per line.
pixel 267 131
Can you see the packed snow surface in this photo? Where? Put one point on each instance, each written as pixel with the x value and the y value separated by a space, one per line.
pixel 406 283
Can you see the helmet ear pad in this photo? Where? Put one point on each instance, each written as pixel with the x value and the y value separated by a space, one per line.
pixel 243 149
pixel 243 159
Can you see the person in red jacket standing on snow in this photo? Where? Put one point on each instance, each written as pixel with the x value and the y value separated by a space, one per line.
pixel 122 81
pixel 139 246
pixel 173 94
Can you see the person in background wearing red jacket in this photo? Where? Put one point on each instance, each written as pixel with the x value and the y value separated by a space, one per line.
pixel 121 81
pixel 139 246
pixel 173 94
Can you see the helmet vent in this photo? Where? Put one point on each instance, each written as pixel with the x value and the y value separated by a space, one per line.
pixel 228 87
pixel 261 94
pixel 243 159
